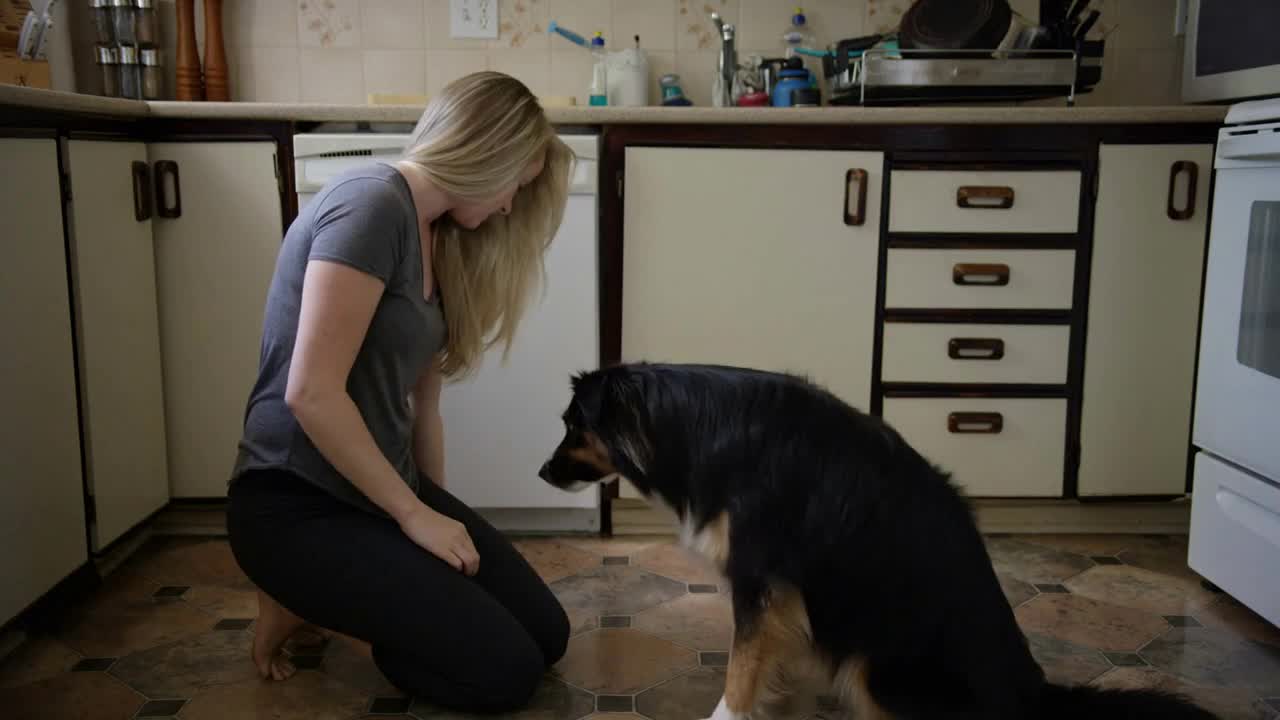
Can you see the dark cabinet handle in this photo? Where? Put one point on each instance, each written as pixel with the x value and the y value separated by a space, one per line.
pixel 989 423
pixel 975 348
pixel 141 191
pixel 1189 209
pixel 992 197
pixel 164 169
pixel 980 274
pixel 855 196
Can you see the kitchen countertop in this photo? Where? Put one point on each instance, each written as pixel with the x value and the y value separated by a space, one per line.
pixel 581 115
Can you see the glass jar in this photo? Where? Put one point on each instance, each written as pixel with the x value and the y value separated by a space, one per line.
pixel 149 59
pixel 124 21
pixel 108 61
pixel 148 28
pixel 102 23
pixel 130 77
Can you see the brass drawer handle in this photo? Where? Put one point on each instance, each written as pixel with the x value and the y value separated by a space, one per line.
pixel 975 348
pixel 980 274
pixel 1192 170
pixel 991 197
pixel 855 196
pixel 989 423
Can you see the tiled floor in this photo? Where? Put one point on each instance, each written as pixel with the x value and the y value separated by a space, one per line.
pixel 169 633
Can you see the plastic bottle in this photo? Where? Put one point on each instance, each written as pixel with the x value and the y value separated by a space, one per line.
pixel 599 92
pixel 796 34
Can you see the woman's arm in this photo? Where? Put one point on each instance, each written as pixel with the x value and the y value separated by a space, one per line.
pixel 337 305
pixel 428 425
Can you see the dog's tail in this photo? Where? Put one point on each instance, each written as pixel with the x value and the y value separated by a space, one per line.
pixel 1085 701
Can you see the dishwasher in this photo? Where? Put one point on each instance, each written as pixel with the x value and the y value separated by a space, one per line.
pixel 503 421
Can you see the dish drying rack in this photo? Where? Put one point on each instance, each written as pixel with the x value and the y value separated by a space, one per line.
pixel 893 76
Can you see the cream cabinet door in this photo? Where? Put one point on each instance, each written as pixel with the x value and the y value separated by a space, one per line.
pixel 114 290
pixel 42 523
pixel 744 257
pixel 213 267
pixel 1144 302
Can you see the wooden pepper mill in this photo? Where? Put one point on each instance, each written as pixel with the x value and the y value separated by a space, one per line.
pixel 215 54
pixel 187 65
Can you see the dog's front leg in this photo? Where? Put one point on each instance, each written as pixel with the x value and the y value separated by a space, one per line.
pixel 770 627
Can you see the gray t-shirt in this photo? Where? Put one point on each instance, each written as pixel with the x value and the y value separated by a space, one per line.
pixel 364 218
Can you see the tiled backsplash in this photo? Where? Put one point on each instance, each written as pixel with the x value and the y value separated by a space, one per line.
pixel 340 51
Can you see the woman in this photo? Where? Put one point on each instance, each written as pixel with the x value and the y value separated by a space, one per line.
pixel 393 277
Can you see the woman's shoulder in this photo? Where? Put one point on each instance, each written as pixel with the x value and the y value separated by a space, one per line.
pixel 369 183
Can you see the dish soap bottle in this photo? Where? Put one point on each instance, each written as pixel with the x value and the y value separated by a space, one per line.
pixel 796 34
pixel 599 92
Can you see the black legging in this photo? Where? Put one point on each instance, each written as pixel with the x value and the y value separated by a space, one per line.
pixel 477 644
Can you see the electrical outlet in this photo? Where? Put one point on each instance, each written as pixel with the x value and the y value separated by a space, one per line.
pixel 473 19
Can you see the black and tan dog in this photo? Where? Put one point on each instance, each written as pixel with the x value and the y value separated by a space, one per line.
pixel 842 545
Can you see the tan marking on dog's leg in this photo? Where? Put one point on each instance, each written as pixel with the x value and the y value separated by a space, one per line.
pixel 778 636
pixel 851 685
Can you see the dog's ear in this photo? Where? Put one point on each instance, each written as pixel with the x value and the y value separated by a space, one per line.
pixel 626 405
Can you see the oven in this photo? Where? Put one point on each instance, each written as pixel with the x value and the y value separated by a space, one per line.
pixel 1235 516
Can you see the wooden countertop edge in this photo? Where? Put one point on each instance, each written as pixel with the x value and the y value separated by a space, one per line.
pixel 38 99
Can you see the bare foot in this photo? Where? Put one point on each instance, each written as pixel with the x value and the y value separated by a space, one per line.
pixel 275 626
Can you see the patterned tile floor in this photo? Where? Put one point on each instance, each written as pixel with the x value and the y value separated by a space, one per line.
pixel 168 635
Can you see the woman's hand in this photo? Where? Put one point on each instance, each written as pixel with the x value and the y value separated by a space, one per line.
pixel 443 537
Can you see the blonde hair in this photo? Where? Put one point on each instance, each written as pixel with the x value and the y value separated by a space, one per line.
pixel 474 139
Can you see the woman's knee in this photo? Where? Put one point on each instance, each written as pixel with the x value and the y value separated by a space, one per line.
pixel 554 638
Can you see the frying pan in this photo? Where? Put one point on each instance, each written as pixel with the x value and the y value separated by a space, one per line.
pixel 955 25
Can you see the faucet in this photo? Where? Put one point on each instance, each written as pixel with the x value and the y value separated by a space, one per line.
pixel 727 65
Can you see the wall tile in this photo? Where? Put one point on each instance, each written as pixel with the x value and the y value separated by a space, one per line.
pixel 1150 77
pixel 884 15
pixel 437 12
pixel 653 20
pixel 696 73
pixel 393 24
pixel 257 23
pixel 522 24
pixel 571 74
pixel 444 66
pixel 332 76
pixel 532 67
pixel 829 21
pixel 395 71
pixel 660 63
pixel 1147 24
pixel 585 17
pixel 694 29
pixel 329 23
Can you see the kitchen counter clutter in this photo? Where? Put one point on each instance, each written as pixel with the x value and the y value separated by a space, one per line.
pixel 1015 288
pixel 37 99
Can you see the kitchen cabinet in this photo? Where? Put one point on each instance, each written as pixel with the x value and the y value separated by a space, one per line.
pixel 745 257
pixel 42 530
pixel 1144 300
pixel 979 297
pixel 117 327
pixel 217 233
pixel 754 257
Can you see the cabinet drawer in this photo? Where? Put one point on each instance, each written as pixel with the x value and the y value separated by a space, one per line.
pixel 995 447
pixel 986 201
pixel 995 353
pixel 1008 279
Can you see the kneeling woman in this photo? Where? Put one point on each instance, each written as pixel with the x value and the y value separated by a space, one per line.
pixel 393 277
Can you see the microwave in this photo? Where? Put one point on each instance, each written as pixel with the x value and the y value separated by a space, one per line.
pixel 1230 51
